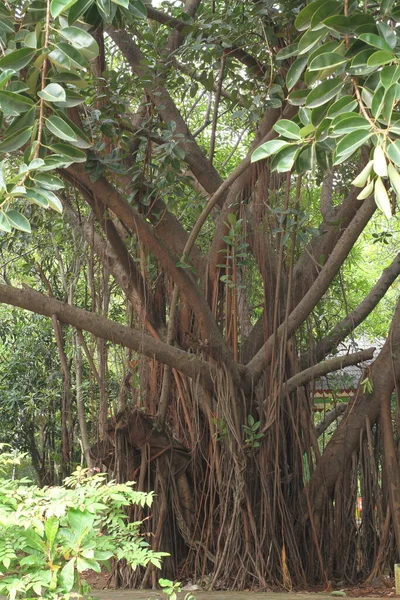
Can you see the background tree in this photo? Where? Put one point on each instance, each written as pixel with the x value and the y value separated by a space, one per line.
pixel 221 278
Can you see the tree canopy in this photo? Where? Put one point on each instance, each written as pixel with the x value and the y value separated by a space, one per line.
pixel 213 170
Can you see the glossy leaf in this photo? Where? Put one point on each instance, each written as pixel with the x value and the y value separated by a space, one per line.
pixel 60 129
pixel 14 104
pixel 283 161
pixel 53 201
pixel 16 140
pixel 5 224
pixel 81 40
pixel 138 9
pixel 382 57
pixel 18 59
pixel 344 104
pixel 375 40
pixel 324 92
pixel 18 221
pixel 303 19
pixel 350 143
pixel 310 39
pixel 48 181
pixel 267 149
pixel 393 152
pixel 59 6
pixel 349 124
pixel 288 129
pixel 295 71
pixel 53 92
pixel 78 9
pixel 389 75
pixel 327 60
pixel 74 56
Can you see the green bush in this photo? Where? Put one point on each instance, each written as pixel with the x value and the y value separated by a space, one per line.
pixel 50 536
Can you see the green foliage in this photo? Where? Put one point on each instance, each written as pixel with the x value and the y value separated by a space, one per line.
pixel 50 536
pixel 347 69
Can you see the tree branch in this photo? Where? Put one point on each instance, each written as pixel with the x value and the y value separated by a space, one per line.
pixel 327 366
pixel 200 166
pixel 355 317
pixel 329 417
pixel 105 329
pixel 317 290
pixel 241 55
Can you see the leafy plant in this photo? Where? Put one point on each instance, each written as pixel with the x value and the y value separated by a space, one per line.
pixel 49 537
pixel 252 432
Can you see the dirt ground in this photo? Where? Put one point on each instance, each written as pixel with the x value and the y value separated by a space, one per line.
pixel 145 594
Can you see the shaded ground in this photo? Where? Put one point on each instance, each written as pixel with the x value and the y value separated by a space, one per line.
pixel 145 594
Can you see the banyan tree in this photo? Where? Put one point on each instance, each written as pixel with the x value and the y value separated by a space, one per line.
pixel 204 153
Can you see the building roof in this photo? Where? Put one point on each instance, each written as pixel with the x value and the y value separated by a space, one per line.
pixel 346 380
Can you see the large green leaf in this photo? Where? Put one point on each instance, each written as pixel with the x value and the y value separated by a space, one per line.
pixel 324 92
pixel 78 9
pixel 53 201
pixel 34 196
pixel 53 92
pixel 267 149
pixel 375 40
pixel 288 129
pixel 18 59
pixel 378 102
pixel 14 104
pixel 389 75
pixel 67 575
pixel 5 77
pixel 80 521
pixel 350 143
pixel 71 99
pixel 74 56
pixel 81 40
pixel 310 39
pixel 69 152
pixel 60 129
pixel 48 181
pixel 303 19
pixel 344 104
pixel 393 152
pixel 18 221
pixel 379 58
pixel 349 124
pixel 51 528
pixel 327 60
pixel 16 140
pixel 295 71
pixel 287 52
pixel 5 224
pixel 59 6
pixel 138 9
pixel 283 161
pixel 81 140
pixel 327 9
pixel 22 121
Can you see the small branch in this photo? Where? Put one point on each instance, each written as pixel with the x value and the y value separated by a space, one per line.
pixel 216 107
pixel 328 419
pixel 327 366
pixel 356 316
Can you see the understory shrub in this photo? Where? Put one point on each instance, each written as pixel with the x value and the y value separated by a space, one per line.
pixel 50 536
